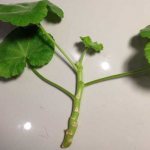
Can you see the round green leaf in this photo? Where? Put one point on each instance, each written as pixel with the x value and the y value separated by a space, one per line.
pixel 147 52
pixel 145 33
pixel 23 14
pixel 21 46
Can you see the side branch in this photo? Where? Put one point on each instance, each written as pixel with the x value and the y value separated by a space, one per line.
pixel 53 84
pixel 121 75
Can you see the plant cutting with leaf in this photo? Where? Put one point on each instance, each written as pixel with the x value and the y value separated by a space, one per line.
pixel 31 45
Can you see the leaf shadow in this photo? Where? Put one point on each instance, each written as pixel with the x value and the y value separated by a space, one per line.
pixel 80 48
pixel 138 60
pixel 5 28
pixel 52 18
pixel 3 80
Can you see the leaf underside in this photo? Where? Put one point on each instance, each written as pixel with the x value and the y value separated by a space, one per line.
pixel 22 46
pixel 90 45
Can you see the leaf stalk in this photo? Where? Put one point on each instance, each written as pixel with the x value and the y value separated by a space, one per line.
pixel 121 75
pixel 72 64
pixel 53 84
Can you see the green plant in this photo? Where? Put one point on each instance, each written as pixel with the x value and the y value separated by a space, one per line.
pixel 29 44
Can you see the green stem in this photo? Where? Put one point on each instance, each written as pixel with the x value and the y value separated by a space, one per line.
pixel 82 56
pixel 125 74
pixel 73 120
pixel 63 52
pixel 58 47
pixel 53 84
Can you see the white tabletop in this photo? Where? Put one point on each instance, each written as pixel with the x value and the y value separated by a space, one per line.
pixel 115 115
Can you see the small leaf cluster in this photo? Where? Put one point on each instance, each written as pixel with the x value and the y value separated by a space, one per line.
pixel 90 45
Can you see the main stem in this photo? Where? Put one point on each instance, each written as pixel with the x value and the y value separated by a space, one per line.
pixel 73 120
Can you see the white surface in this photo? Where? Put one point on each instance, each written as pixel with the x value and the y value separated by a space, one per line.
pixel 115 115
